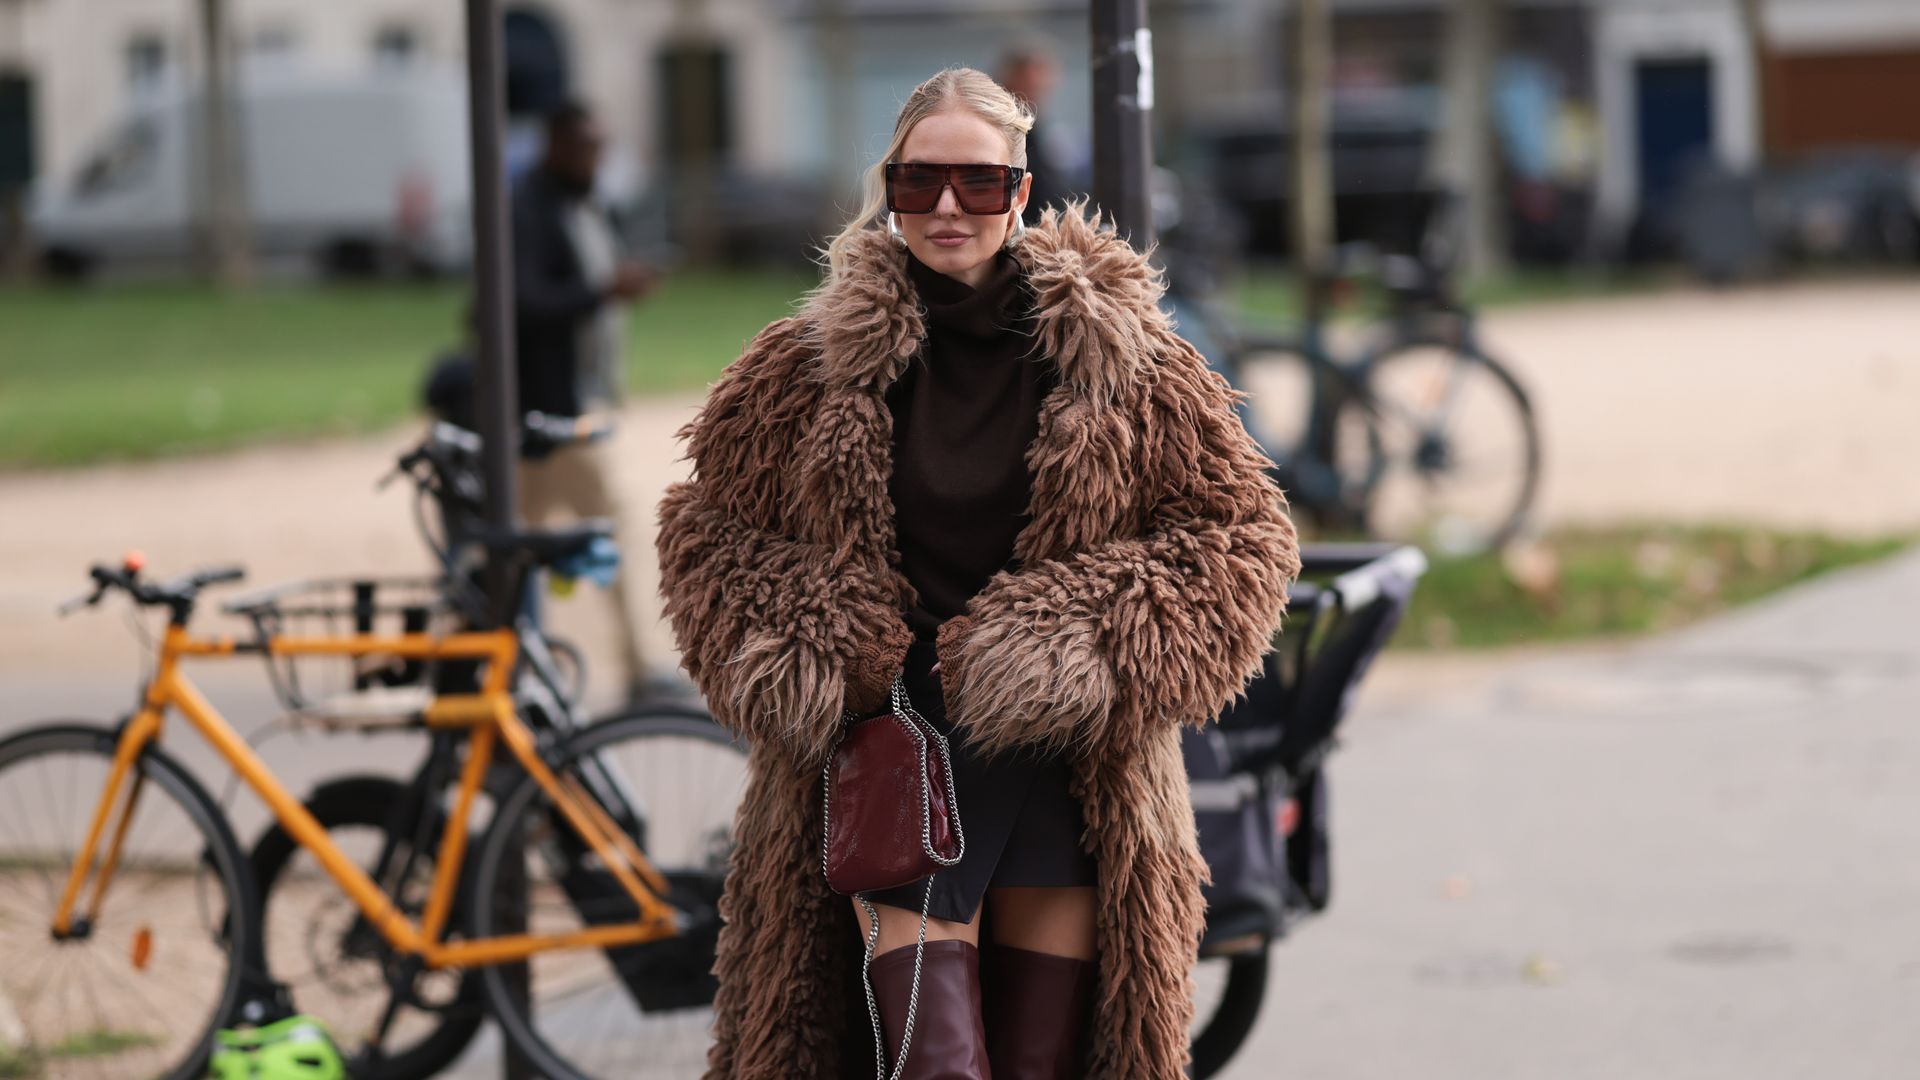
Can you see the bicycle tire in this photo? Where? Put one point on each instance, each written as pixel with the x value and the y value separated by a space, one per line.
pixel 1218 1036
pixel 1434 453
pixel 349 803
pixel 1325 483
pixel 234 929
pixel 527 1026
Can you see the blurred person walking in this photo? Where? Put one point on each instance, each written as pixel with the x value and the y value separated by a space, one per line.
pixel 979 461
pixel 1030 72
pixel 571 285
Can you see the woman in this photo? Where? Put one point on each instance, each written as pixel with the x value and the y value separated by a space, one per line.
pixel 982 447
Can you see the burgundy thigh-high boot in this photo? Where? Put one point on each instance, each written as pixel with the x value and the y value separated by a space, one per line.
pixel 949 1035
pixel 1037 1007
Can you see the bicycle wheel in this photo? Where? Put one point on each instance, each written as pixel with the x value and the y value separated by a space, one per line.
pixel 140 986
pixel 1285 385
pixel 1278 379
pixel 1462 449
pixel 333 962
pixel 634 1012
pixel 1227 998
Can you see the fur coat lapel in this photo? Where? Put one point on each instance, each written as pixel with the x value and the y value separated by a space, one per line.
pixel 1096 317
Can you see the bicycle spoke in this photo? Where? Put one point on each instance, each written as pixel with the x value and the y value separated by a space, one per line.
pixel 685 782
pixel 1457 449
pixel 142 983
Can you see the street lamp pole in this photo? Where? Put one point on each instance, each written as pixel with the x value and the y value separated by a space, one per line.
pixel 496 393
pixel 495 390
pixel 1122 113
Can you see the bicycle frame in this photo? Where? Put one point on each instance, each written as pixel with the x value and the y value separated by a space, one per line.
pixel 489 716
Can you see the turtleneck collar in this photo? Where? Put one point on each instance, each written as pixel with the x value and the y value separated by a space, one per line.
pixel 992 309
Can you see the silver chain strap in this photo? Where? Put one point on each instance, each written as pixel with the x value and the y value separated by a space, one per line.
pixel 922 731
pixel 913 993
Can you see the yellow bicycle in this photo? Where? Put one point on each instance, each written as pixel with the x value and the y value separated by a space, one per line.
pixel 130 927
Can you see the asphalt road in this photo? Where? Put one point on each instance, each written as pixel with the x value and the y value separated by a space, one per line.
pixel 1694 857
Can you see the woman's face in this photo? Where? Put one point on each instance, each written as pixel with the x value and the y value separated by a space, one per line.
pixel 958 244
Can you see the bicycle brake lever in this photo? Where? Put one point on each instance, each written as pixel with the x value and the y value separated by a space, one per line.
pixel 78 602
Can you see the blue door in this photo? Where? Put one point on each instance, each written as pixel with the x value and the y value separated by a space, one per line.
pixel 1673 108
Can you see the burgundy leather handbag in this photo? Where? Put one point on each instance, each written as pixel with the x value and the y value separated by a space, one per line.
pixel 890 819
pixel 890 813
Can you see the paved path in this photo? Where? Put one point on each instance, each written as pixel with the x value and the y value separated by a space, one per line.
pixel 1689 858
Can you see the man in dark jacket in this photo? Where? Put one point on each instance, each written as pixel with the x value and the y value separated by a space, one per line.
pixel 570 279
pixel 1029 71
pixel 571 284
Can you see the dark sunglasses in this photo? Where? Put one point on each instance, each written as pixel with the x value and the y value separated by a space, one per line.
pixel 913 187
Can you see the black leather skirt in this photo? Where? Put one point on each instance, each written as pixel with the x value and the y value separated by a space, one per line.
pixel 1024 827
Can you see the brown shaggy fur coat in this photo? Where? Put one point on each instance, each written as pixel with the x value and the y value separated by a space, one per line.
pixel 1151 580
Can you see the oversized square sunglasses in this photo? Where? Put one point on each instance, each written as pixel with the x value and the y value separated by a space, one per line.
pixel 913 187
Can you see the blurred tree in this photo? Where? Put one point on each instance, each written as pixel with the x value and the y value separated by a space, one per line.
pixel 1312 202
pixel 843 137
pixel 225 249
pixel 1753 19
pixel 16 171
pixel 1465 164
pixel 694 67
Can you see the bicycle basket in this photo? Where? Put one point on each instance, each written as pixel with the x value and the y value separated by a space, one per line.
pixel 371 689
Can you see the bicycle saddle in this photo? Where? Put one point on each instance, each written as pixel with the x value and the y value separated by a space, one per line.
pixel 548 546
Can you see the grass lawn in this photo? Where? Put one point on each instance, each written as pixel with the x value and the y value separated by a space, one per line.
pixel 143 370
pixel 140 370
pixel 1617 582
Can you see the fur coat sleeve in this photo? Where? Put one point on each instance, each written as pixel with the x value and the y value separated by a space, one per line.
pixel 1165 620
pixel 770 625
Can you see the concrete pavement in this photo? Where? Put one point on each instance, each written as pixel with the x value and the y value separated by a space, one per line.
pixel 1690 857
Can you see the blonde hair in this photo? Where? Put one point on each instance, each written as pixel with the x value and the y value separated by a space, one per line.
pixel 960 87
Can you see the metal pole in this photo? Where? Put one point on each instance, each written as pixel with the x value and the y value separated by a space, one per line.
pixel 1122 113
pixel 496 393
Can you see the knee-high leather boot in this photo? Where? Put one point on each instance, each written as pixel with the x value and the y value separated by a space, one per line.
pixel 1037 1007
pixel 949 1035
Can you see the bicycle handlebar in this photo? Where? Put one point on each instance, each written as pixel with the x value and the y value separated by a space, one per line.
pixel 178 594
pixel 545 432
pixel 540 432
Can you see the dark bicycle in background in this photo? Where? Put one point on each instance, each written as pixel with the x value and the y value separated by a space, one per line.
pixel 1415 434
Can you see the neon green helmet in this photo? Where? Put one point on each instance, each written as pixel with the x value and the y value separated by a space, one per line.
pixel 297 1048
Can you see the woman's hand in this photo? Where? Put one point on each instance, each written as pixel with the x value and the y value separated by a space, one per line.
pixel 870 674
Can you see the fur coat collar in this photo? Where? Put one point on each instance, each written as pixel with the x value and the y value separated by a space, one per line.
pixel 1151 579
pixel 866 324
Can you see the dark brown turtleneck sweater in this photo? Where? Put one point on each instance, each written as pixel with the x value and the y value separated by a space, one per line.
pixel 964 413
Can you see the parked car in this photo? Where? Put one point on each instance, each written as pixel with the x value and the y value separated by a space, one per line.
pixel 1379 155
pixel 1854 204
pixel 360 173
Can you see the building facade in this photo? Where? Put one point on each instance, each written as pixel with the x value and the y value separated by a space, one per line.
pixel 1619 92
